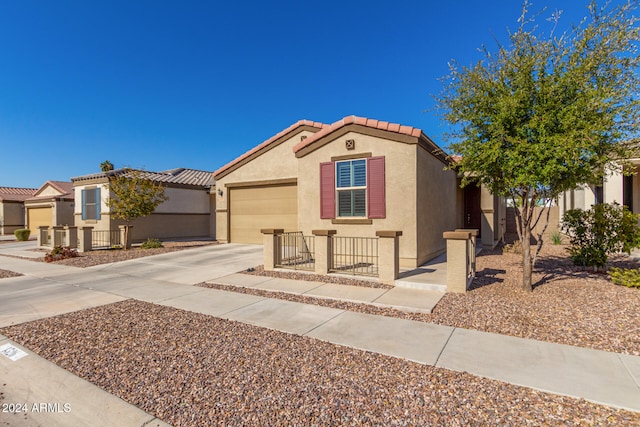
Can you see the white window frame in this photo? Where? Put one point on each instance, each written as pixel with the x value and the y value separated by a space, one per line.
pixel 351 190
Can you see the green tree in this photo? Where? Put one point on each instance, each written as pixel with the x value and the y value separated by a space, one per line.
pixel 106 166
pixel 133 195
pixel 546 112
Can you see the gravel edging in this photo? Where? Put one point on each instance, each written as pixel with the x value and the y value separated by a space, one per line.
pixel 190 369
pixel 312 277
pixel 108 256
pixel 6 274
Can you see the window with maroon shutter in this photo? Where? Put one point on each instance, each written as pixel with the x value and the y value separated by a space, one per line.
pixel 327 190
pixel 353 189
pixel 376 187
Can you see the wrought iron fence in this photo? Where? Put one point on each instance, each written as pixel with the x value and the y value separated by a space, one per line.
pixel 355 255
pixel 296 251
pixel 105 239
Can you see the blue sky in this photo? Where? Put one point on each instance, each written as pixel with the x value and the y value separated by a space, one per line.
pixel 160 85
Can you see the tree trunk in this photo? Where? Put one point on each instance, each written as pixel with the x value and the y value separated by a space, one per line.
pixel 527 265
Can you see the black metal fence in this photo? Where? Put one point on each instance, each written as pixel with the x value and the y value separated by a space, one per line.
pixel 105 239
pixel 295 251
pixel 355 255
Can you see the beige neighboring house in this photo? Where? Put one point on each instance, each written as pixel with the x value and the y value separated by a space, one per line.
pixel 616 187
pixel 356 176
pixel 51 205
pixel 188 211
pixel 12 208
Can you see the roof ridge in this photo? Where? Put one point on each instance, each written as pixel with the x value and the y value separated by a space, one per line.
pixel 363 121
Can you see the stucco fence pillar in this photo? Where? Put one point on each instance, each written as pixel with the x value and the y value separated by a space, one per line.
pixel 43 236
pixel 472 247
pixel 125 237
pixel 458 262
pixel 323 251
pixel 271 249
pixel 388 256
pixel 71 236
pixel 85 239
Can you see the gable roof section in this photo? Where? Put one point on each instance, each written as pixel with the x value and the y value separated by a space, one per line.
pixel 16 194
pixel 394 131
pixel 267 145
pixel 179 176
pixel 64 192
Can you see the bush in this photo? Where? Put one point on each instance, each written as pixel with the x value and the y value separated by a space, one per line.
pixel 22 234
pixel 59 252
pixel 629 277
pixel 151 244
pixel 600 231
pixel 556 238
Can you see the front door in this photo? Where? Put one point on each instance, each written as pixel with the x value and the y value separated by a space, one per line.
pixel 472 211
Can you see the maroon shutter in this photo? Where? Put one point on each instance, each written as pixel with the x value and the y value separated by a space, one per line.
pixel 375 187
pixel 327 190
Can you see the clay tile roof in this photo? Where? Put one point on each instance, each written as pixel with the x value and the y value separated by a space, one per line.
pixel 376 124
pixel 269 141
pixel 172 176
pixel 16 194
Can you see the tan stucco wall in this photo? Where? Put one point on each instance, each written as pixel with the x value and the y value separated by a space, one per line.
pixel 12 217
pixel 400 190
pixel 184 200
pixel 278 163
pixel 438 211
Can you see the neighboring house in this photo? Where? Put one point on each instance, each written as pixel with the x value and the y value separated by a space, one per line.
pixel 188 211
pixel 616 187
pixel 12 208
pixel 356 176
pixel 51 205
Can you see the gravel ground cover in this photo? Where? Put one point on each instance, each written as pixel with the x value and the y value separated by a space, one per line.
pixel 191 369
pixel 569 304
pixel 297 275
pixel 6 273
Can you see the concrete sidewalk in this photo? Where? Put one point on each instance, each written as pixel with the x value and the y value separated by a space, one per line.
pixel 602 377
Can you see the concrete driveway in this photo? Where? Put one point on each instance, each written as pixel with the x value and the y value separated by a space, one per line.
pixel 46 290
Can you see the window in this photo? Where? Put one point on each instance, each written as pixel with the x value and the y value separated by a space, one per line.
pixel 91 204
pixel 353 188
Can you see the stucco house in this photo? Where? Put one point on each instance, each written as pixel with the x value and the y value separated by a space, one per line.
pixel 187 212
pixel 51 205
pixel 12 215
pixel 356 176
pixel 616 187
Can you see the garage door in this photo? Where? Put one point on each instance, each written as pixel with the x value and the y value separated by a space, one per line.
pixel 37 217
pixel 254 208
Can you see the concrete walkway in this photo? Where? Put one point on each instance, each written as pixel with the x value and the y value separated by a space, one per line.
pixel 602 377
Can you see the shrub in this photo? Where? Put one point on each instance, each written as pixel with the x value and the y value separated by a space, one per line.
pixel 629 277
pixel 60 252
pixel 151 244
pixel 556 238
pixel 22 234
pixel 596 233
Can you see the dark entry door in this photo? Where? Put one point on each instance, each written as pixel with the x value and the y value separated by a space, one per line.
pixel 472 211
